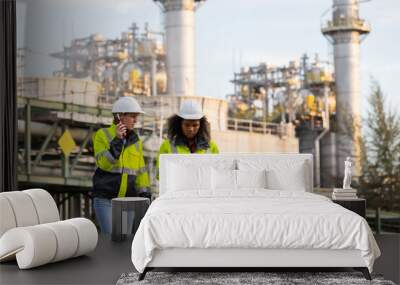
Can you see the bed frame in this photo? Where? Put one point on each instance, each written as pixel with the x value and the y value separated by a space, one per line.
pixel 244 259
pixel 241 259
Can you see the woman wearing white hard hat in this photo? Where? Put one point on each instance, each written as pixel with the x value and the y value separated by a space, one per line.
pixel 121 169
pixel 188 132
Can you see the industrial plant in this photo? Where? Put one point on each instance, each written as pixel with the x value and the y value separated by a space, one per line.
pixel 298 107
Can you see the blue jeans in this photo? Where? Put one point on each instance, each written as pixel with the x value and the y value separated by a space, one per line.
pixel 103 210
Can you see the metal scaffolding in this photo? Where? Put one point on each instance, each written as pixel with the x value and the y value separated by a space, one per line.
pixel 133 64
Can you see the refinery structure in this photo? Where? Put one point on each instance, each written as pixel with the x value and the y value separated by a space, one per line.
pixel 297 107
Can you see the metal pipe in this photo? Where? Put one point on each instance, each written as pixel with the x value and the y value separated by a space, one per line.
pixel 84 143
pixel 65 159
pixel 153 76
pixel 45 144
pixel 326 122
pixel 28 138
pixel 317 157
pixel 42 129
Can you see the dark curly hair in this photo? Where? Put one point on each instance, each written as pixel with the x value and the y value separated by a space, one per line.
pixel 175 129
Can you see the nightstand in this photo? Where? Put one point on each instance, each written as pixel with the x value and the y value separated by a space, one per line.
pixel 121 209
pixel 356 205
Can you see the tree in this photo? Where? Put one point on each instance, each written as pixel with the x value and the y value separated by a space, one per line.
pixel 380 154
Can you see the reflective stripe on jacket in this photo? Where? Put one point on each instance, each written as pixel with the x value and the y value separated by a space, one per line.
pixel 121 167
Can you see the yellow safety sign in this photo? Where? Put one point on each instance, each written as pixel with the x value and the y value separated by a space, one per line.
pixel 67 143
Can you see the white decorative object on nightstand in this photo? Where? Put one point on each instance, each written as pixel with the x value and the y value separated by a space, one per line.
pixel 346 192
pixel 347 173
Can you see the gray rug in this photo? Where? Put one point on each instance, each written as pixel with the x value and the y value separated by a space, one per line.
pixel 228 278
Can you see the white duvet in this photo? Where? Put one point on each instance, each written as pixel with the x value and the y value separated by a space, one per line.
pixel 252 218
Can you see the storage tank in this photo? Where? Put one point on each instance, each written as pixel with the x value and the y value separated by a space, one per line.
pixel 62 89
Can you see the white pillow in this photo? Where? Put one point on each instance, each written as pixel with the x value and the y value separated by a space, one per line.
pixel 181 177
pixel 282 174
pixel 251 178
pixel 291 178
pixel 223 179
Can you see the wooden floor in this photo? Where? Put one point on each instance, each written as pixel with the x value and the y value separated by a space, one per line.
pixel 110 259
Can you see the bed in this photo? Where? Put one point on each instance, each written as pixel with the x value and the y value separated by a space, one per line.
pixel 247 210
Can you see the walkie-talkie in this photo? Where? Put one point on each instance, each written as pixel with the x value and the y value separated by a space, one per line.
pixel 117 122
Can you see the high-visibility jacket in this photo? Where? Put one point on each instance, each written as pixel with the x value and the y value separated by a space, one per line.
pixel 121 169
pixel 178 146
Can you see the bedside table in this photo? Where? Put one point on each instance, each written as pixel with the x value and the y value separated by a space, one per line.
pixel 120 211
pixel 356 205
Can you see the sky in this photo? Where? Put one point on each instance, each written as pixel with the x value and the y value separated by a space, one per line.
pixel 229 34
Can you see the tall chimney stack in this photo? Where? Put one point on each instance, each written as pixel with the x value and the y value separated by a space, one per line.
pixel 180 45
pixel 344 31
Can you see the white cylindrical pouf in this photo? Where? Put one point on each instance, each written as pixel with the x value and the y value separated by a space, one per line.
pixel 7 218
pixel 87 234
pixel 34 246
pixel 45 206
pixel 67 239
pixel 23 207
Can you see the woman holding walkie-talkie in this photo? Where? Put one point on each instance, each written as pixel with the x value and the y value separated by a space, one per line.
pixel 121 170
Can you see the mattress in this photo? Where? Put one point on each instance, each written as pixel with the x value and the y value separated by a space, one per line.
pixel 251 219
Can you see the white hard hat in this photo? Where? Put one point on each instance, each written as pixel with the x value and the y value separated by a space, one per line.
pixel 126 105
pixel 190 110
